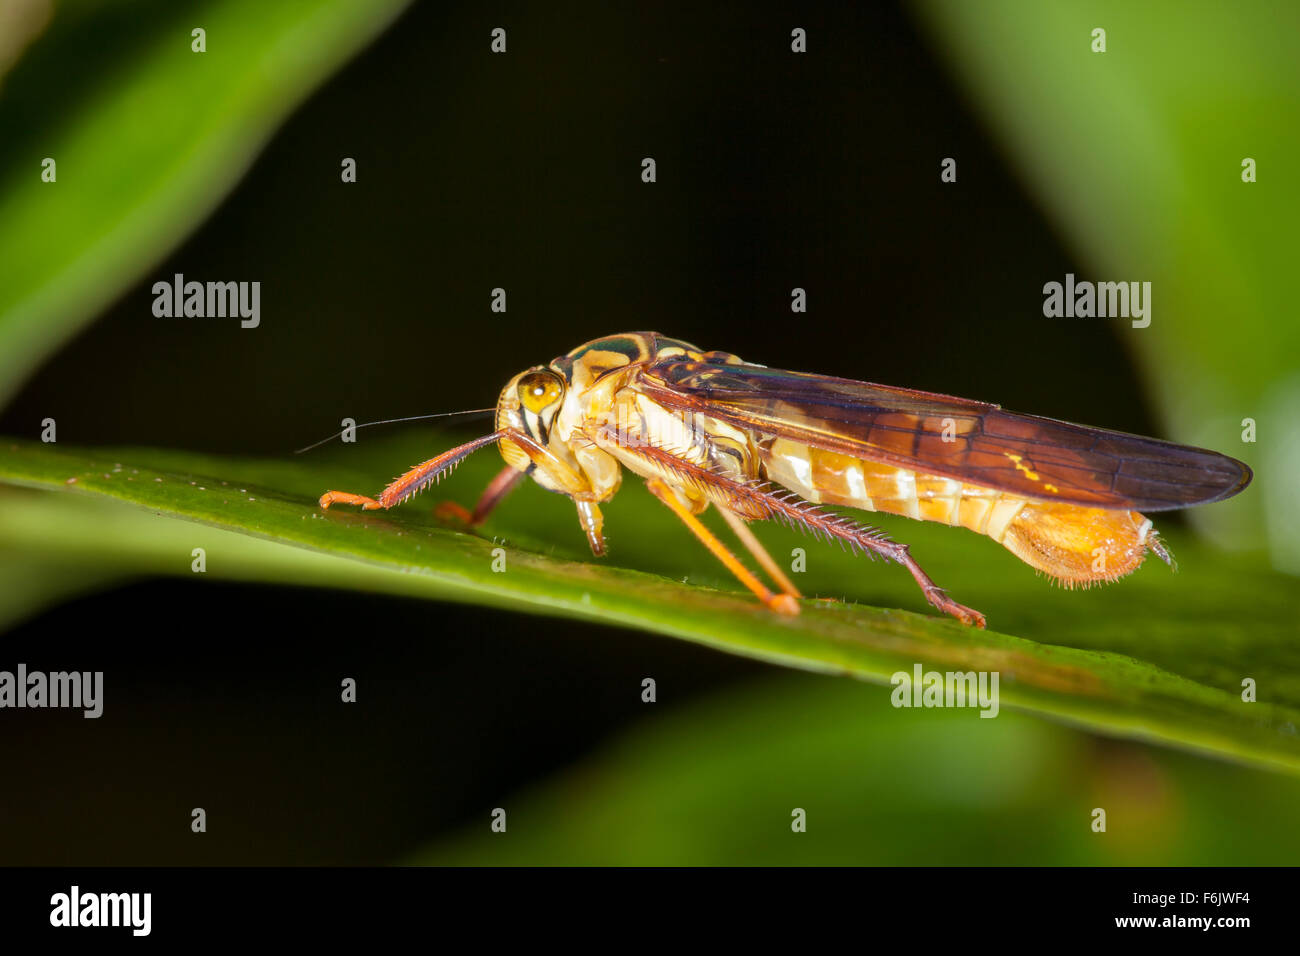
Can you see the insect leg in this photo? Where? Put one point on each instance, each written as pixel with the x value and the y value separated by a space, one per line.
pixel 936 595
pixel 760 501
pixel 835 526
pixel 795 511
pixel 592 522
pixel 505 482
pixel 781 603
pixel 758 551
pixel 347 498
pixel 414 481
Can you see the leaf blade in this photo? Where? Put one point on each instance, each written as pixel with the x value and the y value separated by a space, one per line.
pixel 403 552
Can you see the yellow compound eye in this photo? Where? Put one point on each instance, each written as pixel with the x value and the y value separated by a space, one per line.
pixel 538 390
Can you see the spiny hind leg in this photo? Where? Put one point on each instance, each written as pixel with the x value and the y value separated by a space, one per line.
pixel 936 595
pixel 780 603
pixel 790 508
pixel 833 526
pixel 867 539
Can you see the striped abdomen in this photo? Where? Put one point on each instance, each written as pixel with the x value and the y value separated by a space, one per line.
pixel 1073 543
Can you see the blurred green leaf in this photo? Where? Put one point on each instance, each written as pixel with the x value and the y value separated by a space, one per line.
pixel 33 583
pixel 1137 154
pixel 21 22
pixel 148 136
pixel 716 782
pixel 1160 657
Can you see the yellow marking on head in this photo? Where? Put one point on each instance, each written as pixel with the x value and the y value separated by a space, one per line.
pixel 1052 488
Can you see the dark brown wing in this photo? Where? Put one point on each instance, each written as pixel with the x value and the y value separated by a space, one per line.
pixel 1036 457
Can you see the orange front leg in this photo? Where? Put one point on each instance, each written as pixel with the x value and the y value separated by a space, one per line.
pixel 347 498
pixel 413 481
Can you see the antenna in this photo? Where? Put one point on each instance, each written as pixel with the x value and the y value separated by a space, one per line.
pixel 390 421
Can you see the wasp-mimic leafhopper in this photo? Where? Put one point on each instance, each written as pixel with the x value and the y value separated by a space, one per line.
pixel 759 443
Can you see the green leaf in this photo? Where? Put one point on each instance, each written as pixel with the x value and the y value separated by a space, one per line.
pixel 717 781
pixel 147 148
pixel 1159 656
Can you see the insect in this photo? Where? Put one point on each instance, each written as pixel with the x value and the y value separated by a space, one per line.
pixel 706 428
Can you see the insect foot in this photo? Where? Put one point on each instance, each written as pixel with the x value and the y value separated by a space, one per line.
pixel 784 604
pixel 968 616
pixel 347 498
pixel 449 512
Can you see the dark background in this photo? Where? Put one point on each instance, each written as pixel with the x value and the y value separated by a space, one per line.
pixel 775 170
